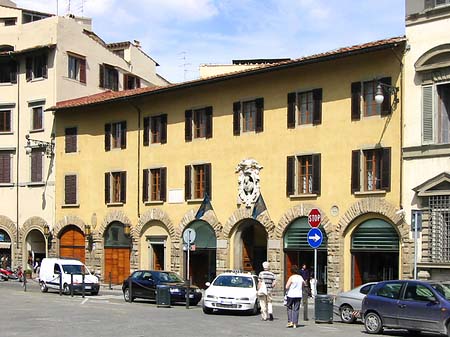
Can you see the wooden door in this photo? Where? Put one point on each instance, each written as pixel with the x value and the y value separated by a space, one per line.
pixel 72 244
pixel 117 264
pixel 158 257
pixel 357 278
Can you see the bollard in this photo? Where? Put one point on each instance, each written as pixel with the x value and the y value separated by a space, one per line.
pixel 25 283
pixel 82 285
pixel 71 284
pixel 110 281
pixel 60 285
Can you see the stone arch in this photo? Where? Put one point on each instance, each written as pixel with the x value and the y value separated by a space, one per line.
pixel 246 213
pixel 154 214
pixel 434 58
pixel 114 216
pixel 9 227
pixel 66 221
pixel 209 217
pixel 34 222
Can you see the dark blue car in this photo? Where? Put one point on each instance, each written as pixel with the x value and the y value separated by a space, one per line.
pixel 408 304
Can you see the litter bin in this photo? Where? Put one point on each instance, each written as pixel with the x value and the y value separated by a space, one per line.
pixel 323 309
pixel 163 296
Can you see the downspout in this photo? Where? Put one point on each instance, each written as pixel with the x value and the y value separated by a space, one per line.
pixel 18 157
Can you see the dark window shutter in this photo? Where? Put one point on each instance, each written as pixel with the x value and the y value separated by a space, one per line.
pixel 138 82
pixel 125 82
pixel 107 137
pixel 316 173
pixel 107 188
pixel 290 176
pixel 70 189
pixel 386 169
pixel 356 101
pixel 36 166
pixel 82 70
pixel 317 113
pixel 164 129
pixel 208 187
pixel 144 185
pixel 123 187
pixel 163 182
pixel 356 166
pixel 123 135
pixel 259 127
pixel 71 140
pixel 13 72
pixel 146 130
pixel 101 76
pixel 236 118
pixel 29 68
pixel 291 98
pixel 44 65
pixel 386 106
pixel 187 182
pixel 5 167
pixel 115 75
pixel 209 122
pixel 188 125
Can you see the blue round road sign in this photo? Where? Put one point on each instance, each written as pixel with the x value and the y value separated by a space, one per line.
pixel 314 237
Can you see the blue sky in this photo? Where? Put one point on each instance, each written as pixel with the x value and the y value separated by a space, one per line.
pixel 182 34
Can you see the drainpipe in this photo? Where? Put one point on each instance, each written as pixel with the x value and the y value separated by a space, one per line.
pixel 17 156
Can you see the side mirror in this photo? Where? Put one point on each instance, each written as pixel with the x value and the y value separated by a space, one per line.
pixel 207 284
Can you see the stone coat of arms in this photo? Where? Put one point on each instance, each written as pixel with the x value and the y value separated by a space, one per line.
pixel 248 181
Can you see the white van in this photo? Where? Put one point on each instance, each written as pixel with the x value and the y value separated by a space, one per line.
pixel 55 272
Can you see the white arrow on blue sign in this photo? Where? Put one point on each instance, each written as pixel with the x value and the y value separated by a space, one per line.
pixel 315 237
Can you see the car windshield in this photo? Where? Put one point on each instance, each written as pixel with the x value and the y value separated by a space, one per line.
pixel 233 281
pixel 75 269
pixel 443 289
pixel 168 277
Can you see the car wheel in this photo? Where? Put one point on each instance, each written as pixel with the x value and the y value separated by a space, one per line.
pixel 193 303
pixel 127 295
pixel 254 311
pixel 43 287
pixel 207 310
pixel 372 323
pixel 66 289
pixel 448 329
pixel 347 314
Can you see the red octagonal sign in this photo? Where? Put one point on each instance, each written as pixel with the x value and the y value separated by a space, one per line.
pixel 314 217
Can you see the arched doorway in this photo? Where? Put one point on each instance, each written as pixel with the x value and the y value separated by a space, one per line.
pixel 202 258
pixel 72 243
pixel 374 252
pixel 35 247
pixel 117 253
pixel 155 243
pixel 250 246
pixel 5 249
pixel 298 252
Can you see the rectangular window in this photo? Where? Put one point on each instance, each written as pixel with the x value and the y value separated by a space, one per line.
pixel 304 108
pixel 37 118
pixel 70 189
pixel 5 167
pixel 436 114
pixel 37 159
pixel 155 130
pixel 70 136
pixel 372 167
pixel 371 108
pixel 131 82
pixel 36 66
pixel 109 77
pixel 77 68
pixel 5 121
pixel 8 71
pixel 248 116
pixel 198 123
pixel 197 181
pixel 303 175
pixel 115 187
pixel 116 135
pixel 154 184
pixel 363 99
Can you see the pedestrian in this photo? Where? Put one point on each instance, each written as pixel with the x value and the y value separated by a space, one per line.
pixel 294 287
pixel 266 279
pixel 304 272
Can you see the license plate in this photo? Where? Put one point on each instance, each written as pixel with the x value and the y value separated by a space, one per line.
pixel 87 287
pixel 225 302
pixel 191 295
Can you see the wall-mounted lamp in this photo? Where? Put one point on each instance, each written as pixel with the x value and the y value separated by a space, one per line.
pixel 87 231
pixel 383 88
pixel 49 147
pixel 48 235
pixel 127 232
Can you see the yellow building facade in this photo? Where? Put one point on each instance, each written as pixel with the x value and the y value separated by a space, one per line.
pixel 135 169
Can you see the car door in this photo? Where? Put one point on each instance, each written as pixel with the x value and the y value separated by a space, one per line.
pixel 385 302
pixel 147 284
pixel 419 308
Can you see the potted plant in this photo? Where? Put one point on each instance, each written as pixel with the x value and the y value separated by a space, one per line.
pixel 28 273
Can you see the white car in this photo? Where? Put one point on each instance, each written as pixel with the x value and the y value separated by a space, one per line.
pixel 348 304
pixel 234 291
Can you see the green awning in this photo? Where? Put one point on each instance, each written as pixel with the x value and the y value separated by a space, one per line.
pixel 296 235
pixel 205 238
pixel 375 234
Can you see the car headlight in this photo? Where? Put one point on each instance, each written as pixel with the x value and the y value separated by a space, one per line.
pixel 243 299
pixel 174 290
pixel 211 297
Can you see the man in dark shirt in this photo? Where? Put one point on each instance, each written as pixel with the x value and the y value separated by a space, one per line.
pixel 304 272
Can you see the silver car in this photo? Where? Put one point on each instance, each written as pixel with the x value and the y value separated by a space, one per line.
pixel 348 304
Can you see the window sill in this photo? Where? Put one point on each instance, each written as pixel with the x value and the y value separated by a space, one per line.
pixel 36 130
pixel 154 202
pixel 70 206
pixel 38 79
pixel 114 204
pixel 363 193
pixel 304 196
pixel 6 133
pixel 36 184
pixel 4 84
pixel 194 201
pixel 7 185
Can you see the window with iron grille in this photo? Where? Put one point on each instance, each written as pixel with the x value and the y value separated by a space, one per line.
pixel 439 239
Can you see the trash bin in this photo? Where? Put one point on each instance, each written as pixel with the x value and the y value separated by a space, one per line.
pixel 323 309
pixel 163 296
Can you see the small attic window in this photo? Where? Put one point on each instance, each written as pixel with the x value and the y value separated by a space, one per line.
pixel 8 21
pixel 120 52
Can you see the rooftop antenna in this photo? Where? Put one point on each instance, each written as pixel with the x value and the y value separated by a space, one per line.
pixel 184 65
pixel 57 6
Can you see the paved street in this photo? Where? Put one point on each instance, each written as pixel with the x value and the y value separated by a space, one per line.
pixel 36 314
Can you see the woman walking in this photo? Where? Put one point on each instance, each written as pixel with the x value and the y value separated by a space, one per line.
pixel 294 296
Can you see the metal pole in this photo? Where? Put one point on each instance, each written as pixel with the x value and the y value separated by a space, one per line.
pixel 71 284
pixel 110 281
pixel 187 268
pixel 82 285
pixel 315 264
pixel 130 285
pixel 415 244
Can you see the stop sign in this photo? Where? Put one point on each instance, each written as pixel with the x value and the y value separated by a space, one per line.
pixel 314 217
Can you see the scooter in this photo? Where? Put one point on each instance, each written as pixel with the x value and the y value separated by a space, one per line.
pixel 10 275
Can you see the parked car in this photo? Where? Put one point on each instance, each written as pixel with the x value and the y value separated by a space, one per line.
pixel 408 304
pixel 232 291
pixel 144 284
pixel 348 304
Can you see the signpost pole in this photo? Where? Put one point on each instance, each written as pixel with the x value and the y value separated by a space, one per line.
pixel 415 244
pixel 315 263
pixel 187 269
